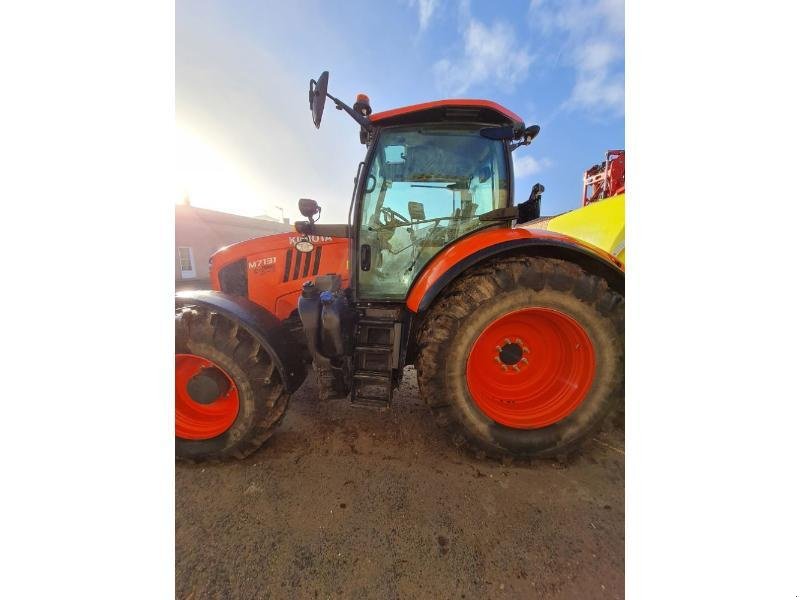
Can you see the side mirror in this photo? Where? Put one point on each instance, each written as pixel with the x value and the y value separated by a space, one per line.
pixel 526 137
pixel 530 133
pixel 532 208
pixel 309 208
pixel 317 94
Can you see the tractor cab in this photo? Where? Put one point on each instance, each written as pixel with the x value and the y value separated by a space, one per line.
pixel 434 173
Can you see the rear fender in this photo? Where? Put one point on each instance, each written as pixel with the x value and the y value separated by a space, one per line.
pixel 476 248
pixel 258 322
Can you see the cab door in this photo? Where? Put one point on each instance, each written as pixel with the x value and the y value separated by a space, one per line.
pixel 424 188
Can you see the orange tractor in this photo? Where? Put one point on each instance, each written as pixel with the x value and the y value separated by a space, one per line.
pixel 516 332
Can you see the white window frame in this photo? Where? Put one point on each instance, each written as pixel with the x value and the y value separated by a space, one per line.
pixel 186 273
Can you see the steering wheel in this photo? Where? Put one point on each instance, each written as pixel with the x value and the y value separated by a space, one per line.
pixel 390 215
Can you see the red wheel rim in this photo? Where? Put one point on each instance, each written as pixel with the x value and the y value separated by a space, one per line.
pixel 202 421
pixel 531 368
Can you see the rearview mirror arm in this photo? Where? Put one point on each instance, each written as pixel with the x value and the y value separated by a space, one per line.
pixel 360 119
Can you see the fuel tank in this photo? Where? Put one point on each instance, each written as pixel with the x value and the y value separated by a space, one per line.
pixel 270 270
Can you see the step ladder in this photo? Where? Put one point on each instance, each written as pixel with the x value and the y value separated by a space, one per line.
pixel 377 352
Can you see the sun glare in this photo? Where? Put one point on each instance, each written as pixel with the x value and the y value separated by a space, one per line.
pixel 209 179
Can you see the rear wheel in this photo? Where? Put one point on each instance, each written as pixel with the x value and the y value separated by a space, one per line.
pixel 229 396
pixel 523 356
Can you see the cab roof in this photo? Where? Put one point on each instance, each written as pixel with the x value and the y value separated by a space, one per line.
pixel 460 110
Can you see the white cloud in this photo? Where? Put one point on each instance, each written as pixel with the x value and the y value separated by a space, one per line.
pixel 525 166
pixel 578 16
pixel 490 54
pixel 592 33
pixel 597 86
pixel 425 9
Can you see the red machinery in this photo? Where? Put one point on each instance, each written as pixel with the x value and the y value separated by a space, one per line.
pixel 606 179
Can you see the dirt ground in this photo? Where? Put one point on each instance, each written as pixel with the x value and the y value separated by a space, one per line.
pixel 350 503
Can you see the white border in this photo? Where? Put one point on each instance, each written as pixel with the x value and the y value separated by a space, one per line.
pixel 712 295
pixel 87 158
pixel 87 164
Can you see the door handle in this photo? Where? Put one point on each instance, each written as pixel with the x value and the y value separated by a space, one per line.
pixel 366 257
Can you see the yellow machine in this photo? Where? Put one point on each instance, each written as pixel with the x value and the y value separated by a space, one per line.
pixel 601 223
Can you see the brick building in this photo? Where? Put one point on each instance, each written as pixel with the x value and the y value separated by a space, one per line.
pixel 200 232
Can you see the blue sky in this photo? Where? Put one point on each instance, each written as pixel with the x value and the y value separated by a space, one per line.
pixel 246 143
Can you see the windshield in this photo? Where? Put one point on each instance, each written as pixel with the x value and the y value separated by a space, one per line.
pixel 425 188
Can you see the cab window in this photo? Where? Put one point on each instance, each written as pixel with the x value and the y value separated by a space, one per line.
pixel 425 188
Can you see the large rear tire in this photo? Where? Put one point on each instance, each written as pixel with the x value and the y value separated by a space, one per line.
pixel 229 396
pixel 523 356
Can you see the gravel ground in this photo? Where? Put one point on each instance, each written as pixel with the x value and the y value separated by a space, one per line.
pixel 351 503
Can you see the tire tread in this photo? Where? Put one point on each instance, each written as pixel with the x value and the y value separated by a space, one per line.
pixel 208 327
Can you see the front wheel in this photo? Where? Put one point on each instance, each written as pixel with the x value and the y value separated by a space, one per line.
pixel 229 396
pixel 523 356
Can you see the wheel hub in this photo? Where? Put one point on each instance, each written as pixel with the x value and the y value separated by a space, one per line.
pixel 511 354
pixel 206 398
pixel 208 385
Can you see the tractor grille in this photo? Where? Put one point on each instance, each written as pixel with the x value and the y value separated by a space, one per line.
pixel 300 264
pixel 233 278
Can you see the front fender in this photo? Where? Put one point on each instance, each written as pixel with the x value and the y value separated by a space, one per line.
pixel 258 322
